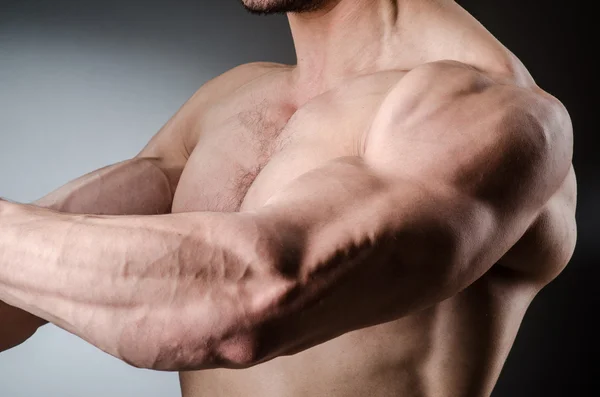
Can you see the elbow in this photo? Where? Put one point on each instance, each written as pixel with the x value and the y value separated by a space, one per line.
pixel 219 323
pixel 238 352
pixel 209 337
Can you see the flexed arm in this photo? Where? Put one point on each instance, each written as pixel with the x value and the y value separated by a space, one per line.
pixel 455 170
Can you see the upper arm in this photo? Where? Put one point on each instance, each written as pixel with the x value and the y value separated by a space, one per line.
pixel 455 169
pixel 499 153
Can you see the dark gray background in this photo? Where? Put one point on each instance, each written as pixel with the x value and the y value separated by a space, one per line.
pixel 86 83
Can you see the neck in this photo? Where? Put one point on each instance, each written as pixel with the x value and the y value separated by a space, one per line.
pixel 351 37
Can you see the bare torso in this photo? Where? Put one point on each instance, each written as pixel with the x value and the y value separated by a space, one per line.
pixel 249 134
pixel 256 138
pixel 252 145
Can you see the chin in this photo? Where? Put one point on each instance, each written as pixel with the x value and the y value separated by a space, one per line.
pixel 281 6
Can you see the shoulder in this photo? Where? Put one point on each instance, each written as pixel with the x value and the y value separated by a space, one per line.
pixel 525 166
pixel 496 146
pixel 483 135
pixel 455 85
pixel 233 79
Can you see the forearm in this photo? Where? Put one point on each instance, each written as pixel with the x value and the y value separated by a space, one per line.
pixel 139 186
pixel 205 290
pixel 340 249
pixel 135 287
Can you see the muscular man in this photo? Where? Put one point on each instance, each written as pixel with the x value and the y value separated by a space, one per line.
pixel 373 221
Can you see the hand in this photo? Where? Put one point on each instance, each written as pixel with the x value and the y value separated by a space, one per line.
pixel 16 326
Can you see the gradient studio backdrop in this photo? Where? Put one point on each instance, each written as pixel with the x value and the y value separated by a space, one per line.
pixel 86 83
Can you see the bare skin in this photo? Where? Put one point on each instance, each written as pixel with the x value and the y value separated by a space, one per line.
pixel 348 226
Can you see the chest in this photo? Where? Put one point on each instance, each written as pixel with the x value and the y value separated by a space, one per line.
pixel 250 149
